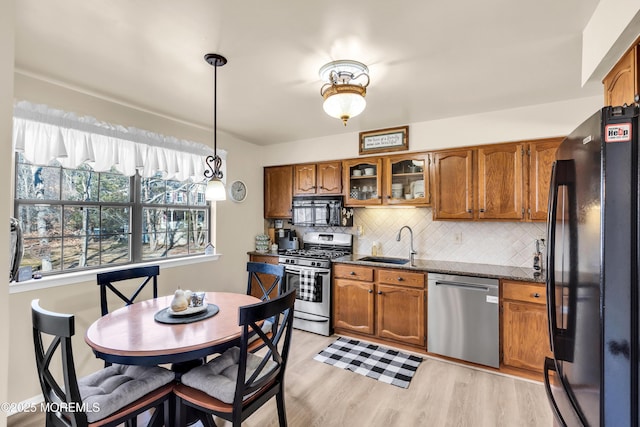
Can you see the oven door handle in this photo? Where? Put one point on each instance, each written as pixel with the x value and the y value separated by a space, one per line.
pixel 321 271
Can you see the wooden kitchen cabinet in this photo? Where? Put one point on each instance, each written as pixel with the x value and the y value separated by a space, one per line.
pixel 525 336
pixel 506 182
pixel 622 84
pixel 542 154
pixel 278 191
pixel 362 179
pixel 500 182
pixel 317 178
pixel 406 174
pixel 453 184
pixel 353 306
pixel 353 298
pixel 401 302
pixel 268 259
pixel 388 304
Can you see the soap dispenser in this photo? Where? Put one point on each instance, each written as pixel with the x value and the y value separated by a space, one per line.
pixel 537 257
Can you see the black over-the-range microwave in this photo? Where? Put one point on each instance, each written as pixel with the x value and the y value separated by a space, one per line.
pixel 318 211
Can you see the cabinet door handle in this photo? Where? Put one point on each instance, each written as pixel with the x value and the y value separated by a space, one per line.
pixel 388 197
pixel 379 292
pixel 353 273
pixel 481 210
pixel 370 291
pixel 400 279
pixel 536 295
pixel 469 210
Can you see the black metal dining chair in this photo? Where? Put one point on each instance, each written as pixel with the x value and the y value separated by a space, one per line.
pixel 235 384
pixel 108 397
pixel 107 281
pixel 264 280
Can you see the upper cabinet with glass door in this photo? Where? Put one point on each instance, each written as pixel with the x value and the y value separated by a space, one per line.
pixel 362 179
pixel 406 180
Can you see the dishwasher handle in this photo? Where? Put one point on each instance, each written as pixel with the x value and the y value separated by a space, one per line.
pixel 483 288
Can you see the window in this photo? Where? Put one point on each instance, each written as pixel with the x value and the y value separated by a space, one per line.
pixel 78 218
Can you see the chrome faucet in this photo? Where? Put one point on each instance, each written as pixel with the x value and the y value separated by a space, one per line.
pixel 413 252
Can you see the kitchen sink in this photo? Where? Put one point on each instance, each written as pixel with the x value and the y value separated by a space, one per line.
pixel 384 260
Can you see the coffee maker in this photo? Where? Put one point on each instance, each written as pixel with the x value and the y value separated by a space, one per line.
pixel 287 240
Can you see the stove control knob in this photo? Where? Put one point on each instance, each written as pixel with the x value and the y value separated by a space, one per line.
pixel 313 263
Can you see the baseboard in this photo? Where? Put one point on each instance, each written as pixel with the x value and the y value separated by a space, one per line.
pixel 32 404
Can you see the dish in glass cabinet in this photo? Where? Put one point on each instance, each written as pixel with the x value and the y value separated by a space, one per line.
pixel 189 311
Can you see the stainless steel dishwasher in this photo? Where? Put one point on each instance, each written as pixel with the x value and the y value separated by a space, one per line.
pixel 463 318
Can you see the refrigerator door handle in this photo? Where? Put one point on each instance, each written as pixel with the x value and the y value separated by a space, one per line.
pixel 550 365
pixel 551 254
pixel 561 339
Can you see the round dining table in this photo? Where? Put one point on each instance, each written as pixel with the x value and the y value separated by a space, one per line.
pixel 130 335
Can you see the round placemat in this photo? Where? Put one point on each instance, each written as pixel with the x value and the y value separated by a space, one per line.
pixel 163 315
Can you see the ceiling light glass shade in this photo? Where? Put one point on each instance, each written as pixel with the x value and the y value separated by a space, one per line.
pixel 344 101
pixel 215 190
pixel 345 88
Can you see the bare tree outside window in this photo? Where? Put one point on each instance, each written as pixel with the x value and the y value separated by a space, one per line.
pixel 78 218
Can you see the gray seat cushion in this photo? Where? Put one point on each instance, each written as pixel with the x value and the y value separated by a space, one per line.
pixel 112 388
pixel 218 377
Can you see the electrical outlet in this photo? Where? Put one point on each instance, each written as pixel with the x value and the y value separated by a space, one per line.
pixel 359 230
pixel 457 237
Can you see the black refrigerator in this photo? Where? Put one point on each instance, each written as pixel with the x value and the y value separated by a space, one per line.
pixel 592 273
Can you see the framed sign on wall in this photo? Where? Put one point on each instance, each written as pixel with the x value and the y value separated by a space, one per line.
pixel 384 140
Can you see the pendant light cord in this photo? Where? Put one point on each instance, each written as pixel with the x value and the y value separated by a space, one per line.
pixel 214 162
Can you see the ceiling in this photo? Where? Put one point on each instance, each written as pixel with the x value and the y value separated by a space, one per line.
pixel 428 60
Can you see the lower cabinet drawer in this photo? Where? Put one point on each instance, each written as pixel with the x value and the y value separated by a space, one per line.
pixel 527 292
pixel 402 278
pixel 352 272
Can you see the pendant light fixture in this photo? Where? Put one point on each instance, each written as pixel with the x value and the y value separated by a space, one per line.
pixel 345 88
pixel 215 188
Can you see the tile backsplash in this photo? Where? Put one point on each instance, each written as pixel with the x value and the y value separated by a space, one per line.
pixel 496 243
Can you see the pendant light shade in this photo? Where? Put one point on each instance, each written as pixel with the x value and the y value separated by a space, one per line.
pixel 215 188
pixel 345 89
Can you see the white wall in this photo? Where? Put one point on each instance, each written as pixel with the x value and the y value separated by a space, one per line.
pixel 236 227
pixel 538 121
pixel 613 27
pixel 7 12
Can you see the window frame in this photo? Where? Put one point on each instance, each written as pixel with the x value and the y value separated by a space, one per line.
pixel 135 232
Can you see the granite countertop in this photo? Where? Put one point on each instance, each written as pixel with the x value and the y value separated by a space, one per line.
pixel 446 267
pixel 451 267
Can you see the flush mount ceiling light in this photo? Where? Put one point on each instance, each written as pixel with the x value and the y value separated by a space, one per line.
pixel 215 188
pixel 345 88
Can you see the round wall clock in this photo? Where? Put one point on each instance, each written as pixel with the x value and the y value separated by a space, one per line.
pixel 238 191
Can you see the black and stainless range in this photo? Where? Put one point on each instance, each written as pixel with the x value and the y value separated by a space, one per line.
pixel 308 270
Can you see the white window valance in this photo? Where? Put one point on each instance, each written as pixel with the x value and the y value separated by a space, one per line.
pixel 43 134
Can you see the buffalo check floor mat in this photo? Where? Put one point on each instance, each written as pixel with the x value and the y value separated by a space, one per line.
pixel 374 361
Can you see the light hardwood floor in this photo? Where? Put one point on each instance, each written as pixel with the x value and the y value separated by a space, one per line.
pixel 441 394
